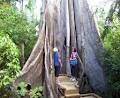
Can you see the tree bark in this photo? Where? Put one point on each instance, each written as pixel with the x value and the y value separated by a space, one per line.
pixel 22 5
pixel 67 39
pixel 22 54
pixel 70 23
pixel 89 44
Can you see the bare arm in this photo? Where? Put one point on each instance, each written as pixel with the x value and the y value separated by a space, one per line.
pixel 60 60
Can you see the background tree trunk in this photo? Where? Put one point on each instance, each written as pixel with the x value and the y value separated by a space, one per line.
pixel 66 23
pixel 22 54
pixel 67 39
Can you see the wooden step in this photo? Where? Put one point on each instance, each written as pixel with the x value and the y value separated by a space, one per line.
pixel 67 92
pixel 62 97
pixel 89 95
pixel 68 88
pixel 64 78
pixel 71 92
pixel 72 96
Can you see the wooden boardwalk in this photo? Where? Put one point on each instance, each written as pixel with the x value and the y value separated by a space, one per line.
pixel 67 89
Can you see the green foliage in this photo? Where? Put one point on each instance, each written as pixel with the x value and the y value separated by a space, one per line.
pixel 30 4
pixel 16 25
pixel 110 35
pixel 7 1
pixel 115 9
pixel 112 57
pixel 22 90
pixel 37 92
pixel 15 29
pixel 9 62
pixel 101 14
pixel 7 91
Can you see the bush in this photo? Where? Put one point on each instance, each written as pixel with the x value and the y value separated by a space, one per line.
pixel 112 58
pixel 20 30
pixel 24 89
pixel 9 62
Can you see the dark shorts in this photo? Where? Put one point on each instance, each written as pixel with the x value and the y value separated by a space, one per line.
pixel 57 71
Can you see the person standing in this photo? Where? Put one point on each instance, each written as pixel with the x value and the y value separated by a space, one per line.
pixel 57 63
pixel 73 63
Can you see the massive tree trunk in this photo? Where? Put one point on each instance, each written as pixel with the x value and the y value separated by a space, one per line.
pixel 67 23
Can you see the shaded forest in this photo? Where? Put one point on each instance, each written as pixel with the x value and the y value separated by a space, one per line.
pixel 73 27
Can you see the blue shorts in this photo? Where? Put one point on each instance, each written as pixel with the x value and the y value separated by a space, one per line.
pixel 73 62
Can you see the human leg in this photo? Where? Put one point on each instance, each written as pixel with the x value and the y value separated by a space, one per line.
pixel 57 72
pixel 73 73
